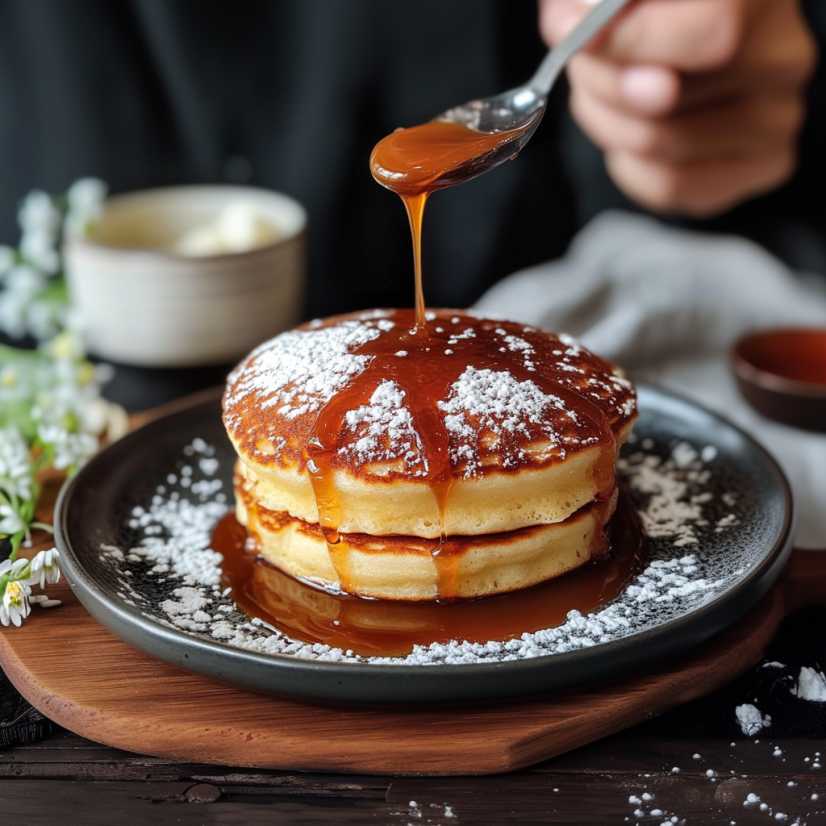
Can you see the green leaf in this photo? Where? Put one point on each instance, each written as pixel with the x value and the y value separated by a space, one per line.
pixel 57 291
pixel 16 542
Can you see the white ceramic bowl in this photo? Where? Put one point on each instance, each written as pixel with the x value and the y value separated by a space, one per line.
pixel 141 303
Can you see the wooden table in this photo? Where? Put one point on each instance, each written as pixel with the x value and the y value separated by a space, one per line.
pixel 67 779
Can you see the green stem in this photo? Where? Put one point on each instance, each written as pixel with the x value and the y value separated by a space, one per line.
pixel 16 541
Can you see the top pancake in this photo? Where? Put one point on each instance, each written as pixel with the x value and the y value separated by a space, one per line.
pixel 466 407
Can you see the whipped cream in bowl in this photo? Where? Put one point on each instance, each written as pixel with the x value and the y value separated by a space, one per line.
pixel 188 275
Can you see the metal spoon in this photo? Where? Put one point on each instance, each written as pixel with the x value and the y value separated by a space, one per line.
pixel 521 109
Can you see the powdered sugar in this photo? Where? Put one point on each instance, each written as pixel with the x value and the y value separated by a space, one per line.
pixel 811 685
pixel 495 403
pixel 750 720
pixel 675 507
pixel 383 430
pixel 300 371
pixel 524 348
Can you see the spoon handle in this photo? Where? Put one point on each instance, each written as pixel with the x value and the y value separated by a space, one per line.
pixel 557 58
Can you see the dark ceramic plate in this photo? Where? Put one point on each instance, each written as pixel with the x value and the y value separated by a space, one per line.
pixel 740 546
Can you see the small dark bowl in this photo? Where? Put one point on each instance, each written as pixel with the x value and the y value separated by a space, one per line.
pixel 781 373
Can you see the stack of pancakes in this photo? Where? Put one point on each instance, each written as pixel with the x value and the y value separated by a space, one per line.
pixel 469 458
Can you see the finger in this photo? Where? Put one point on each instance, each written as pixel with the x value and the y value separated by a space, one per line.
pixel 734 128
pixel 780 54
pixel 558 17
pixel 647 90
pixel 689 35
pixel 700 92
pixel 701 189
pixel 657 91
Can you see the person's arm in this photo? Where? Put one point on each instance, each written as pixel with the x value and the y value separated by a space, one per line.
pixel 697 105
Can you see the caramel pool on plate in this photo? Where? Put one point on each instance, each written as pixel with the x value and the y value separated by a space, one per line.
pixel 379 628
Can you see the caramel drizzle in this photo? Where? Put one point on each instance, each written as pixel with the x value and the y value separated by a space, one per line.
pixel 426 375
pixel 417 161
pixel 414 207
pixel 413 163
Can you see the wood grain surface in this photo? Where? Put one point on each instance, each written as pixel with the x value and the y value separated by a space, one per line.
pixel 87 680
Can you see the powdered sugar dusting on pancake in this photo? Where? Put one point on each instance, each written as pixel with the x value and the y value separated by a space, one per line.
pixel 299 371
pixel 511 394
pixel 382 430
pixel 493 404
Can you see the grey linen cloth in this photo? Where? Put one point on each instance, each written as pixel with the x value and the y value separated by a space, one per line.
pixel 666 304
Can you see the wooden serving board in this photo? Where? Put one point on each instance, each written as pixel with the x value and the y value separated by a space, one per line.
pixel 80 675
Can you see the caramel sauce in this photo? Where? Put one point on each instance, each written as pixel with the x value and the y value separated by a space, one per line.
pixel 417 161
pixel 426 374
pixel 414 207
pixel 798 354
pixel 385 628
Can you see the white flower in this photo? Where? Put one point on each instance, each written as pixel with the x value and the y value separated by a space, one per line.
pixel 44 568
pixel 15 606
pixel 94 416
pixel 12 568
pixel 38 212
pixel 43 601
pixel 15 463
pixel 86 195
pixel 13 314
pixel 38 247
pixel 86 198
pixel 24 282
pixel 8 376
pixel 10 521
pixel 44 319
pixel 65 347
pixel 6 259
pixel 104 373
pixel 70 449
pixel 117 424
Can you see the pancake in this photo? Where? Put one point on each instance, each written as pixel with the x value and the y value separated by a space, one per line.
pixel 371 445
pixel 406 567
pixel 523 426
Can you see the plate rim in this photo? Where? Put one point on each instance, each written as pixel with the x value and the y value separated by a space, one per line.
pixel 85 588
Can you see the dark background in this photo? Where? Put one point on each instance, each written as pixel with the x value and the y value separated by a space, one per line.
pixel 292 96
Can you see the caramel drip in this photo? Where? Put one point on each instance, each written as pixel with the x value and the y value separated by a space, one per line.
pixel 414 206
pixel 435 359
pixel 320 454
pixel 447 562
pixel 340 557
pixel 417 161
pixel 382 628
pixel 411 373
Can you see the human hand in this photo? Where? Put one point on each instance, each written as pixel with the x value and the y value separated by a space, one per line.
pixel 696 104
